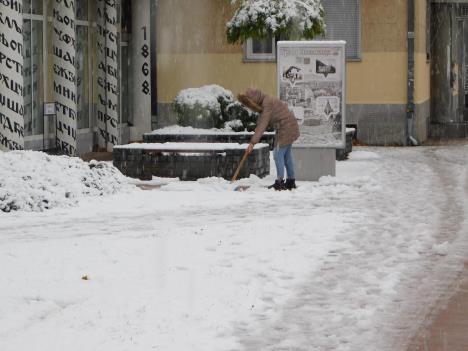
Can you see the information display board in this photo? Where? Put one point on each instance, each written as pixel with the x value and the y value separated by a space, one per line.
pixel 311 80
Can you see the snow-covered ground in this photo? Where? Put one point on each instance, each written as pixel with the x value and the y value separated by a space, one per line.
pixel 354 262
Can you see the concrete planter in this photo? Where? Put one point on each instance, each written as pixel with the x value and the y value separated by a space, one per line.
pixel 189 161
pixel 342 154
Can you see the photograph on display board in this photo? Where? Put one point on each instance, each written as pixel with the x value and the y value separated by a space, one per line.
pixel 311 79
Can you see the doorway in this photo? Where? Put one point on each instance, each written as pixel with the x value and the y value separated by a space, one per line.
pixel 449 71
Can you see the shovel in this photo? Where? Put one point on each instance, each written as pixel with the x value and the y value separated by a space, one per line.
pixel 234 177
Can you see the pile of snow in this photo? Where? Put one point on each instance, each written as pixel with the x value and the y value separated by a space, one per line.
pixel 234 125
pixel 35 181
pixel 441 249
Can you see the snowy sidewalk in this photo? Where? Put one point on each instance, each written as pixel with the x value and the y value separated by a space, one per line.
pixel 354 262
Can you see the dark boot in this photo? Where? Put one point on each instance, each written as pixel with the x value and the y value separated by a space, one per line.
pixel 290 184
pixel 279 185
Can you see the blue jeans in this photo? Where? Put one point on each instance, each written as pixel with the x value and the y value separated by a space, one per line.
pixel 283 157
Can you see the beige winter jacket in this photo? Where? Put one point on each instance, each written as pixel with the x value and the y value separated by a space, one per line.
pixel 277 114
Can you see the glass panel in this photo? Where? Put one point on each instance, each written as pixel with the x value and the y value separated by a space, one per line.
pixel 124 86
pixel 33 78
pixel 262 46
pixel 93 68
pixel 82 70
pixel 81 10
pixel 92 11
pixel 32 6
pixel 126 16
pixel 120 99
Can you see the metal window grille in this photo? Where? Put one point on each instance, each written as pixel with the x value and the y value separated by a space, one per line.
pixel 343 20
pixel 463 11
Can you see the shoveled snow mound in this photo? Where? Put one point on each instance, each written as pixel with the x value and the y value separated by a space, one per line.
pixel 35 181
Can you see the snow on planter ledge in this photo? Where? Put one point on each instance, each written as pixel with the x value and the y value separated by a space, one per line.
pixel 190 161
pixel 197 135
pixel 176 129
pixel 189 146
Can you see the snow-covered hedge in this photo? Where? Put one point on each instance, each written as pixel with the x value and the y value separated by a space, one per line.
pixel 291 19
pixel 212 106
pixel 35 181
pixel 202 107
pixel 241 117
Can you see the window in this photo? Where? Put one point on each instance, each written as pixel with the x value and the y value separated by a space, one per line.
pixel 343 20
pixel 81 8
pixel 82 77
pixel 260 50
pixel 33 68
pixel 33 7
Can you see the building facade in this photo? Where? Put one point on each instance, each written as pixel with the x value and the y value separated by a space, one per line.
pixel 377 61
pixel 83 75
pixel 75 75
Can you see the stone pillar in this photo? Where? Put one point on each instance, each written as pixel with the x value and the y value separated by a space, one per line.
pixel 101 75
pixel 64 47
pixel 108 74
pixel 141 68
pixel 11 76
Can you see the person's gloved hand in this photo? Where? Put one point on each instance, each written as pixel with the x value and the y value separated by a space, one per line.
pixel 250 148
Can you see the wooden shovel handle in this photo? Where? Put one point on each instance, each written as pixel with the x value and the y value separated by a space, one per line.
pixel 241 163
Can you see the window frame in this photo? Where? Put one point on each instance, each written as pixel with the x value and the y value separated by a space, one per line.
pixel 29 16
pixel 250 56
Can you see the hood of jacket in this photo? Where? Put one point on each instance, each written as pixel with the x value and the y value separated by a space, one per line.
pixel 255 95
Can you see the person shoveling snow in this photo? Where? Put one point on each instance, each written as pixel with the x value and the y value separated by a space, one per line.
pixel 276 113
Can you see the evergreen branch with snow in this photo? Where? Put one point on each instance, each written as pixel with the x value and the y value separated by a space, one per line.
pixel 261 19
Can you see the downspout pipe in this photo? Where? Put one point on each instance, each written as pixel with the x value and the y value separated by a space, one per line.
pixel 410 139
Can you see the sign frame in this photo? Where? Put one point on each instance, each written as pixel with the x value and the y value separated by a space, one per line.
pixel 331 76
